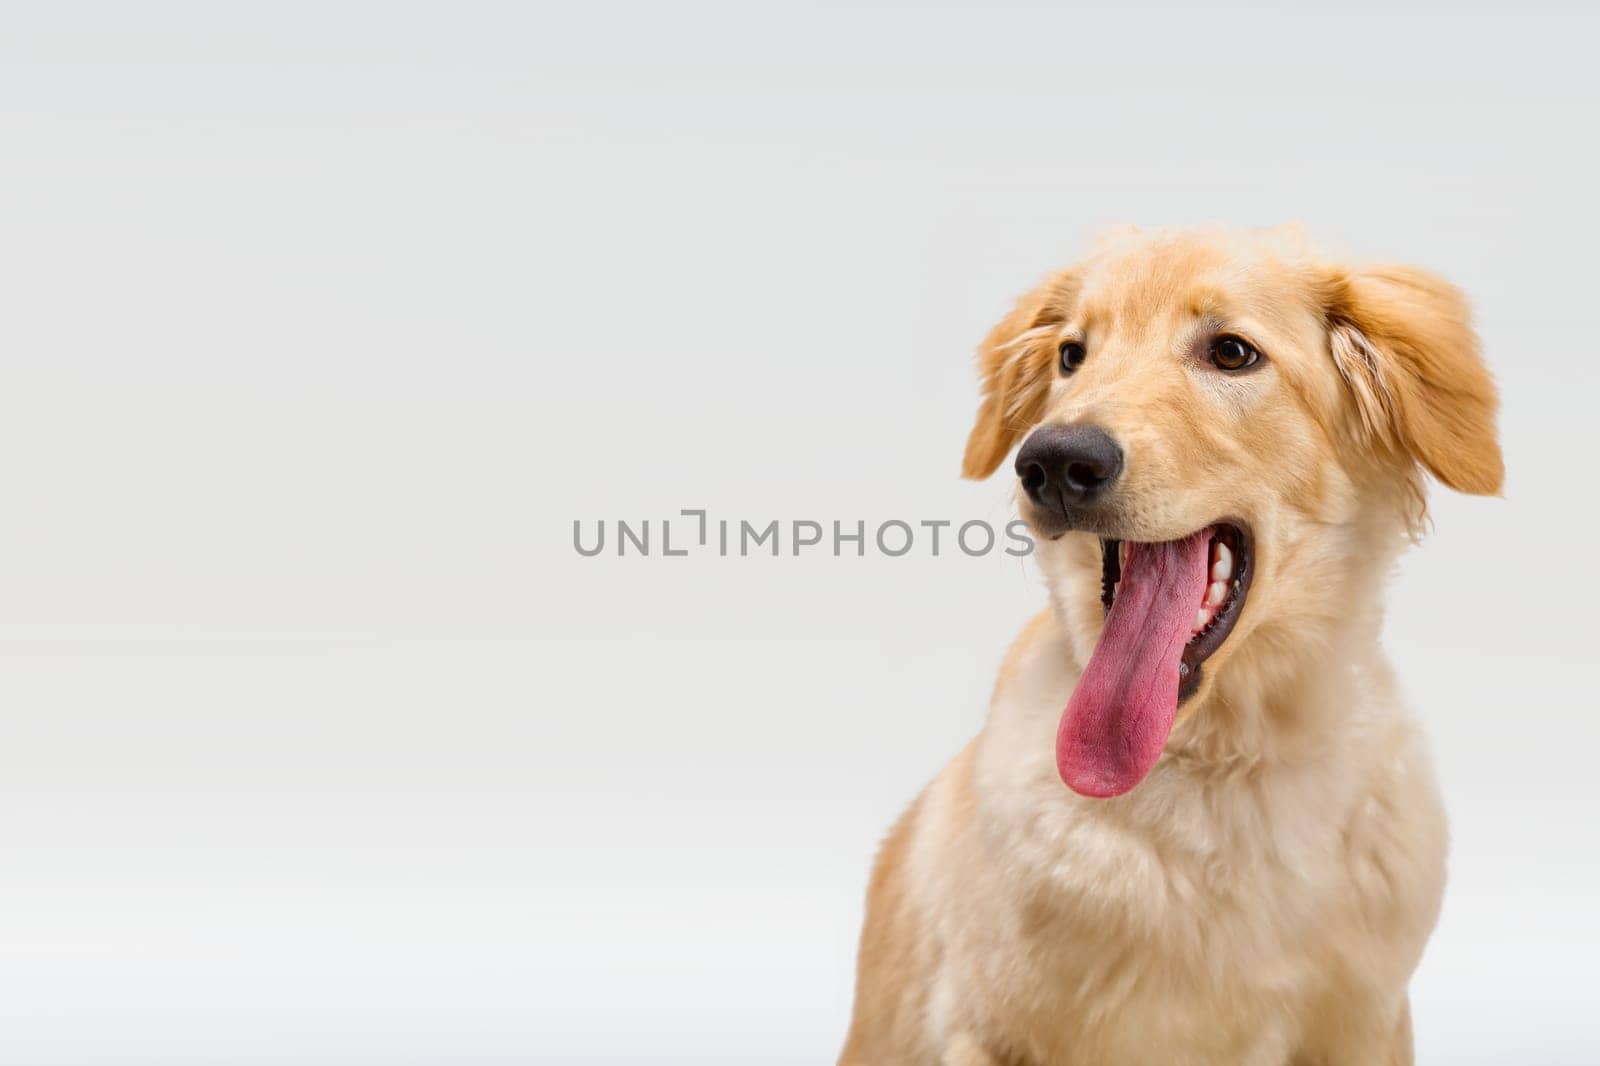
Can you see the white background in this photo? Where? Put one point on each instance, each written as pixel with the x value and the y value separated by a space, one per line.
pixel 320 324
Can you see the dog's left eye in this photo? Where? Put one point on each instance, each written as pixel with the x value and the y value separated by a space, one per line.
pixel 1231 353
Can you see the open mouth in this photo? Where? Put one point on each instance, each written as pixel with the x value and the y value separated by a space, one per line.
pixel 1228 574
pixel 1169 606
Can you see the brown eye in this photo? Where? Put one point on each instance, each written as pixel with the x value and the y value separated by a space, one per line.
pixel 1072 356
pixel 1231 353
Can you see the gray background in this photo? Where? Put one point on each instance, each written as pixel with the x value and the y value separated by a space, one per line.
pixel 320 324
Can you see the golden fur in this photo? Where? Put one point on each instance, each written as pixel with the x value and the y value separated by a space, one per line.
pixel 1264 895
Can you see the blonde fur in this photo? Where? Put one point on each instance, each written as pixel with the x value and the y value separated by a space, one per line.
pixel 1264 895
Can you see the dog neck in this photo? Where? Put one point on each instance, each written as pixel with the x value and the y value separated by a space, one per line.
pixel 1290 690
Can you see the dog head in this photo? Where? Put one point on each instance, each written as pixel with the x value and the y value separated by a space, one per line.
pixel 1223 439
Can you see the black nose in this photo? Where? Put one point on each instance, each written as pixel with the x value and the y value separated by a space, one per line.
pixel 1065 465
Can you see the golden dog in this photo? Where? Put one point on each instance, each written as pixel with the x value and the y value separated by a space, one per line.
pixel 1198 826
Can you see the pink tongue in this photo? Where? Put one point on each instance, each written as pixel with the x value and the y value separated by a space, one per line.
pixel 1118 718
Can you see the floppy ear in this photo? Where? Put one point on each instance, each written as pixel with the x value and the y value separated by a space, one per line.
pixel 1017 361
pixel 1403 340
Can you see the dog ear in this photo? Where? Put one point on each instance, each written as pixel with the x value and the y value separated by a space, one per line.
pixel 1403 340
pixel 1017 361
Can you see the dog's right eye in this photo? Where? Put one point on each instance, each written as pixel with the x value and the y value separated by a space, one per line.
pixel 1072 356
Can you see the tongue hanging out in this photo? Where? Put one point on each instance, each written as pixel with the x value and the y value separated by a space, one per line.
pixel 1118 718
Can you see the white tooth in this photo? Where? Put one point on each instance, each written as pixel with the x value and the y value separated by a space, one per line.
pixel 1122 552
pixel 1222 569
pixel 1216 592
pixel 1200 620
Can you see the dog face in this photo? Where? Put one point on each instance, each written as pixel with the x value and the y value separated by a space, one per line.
pixel 1223 439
